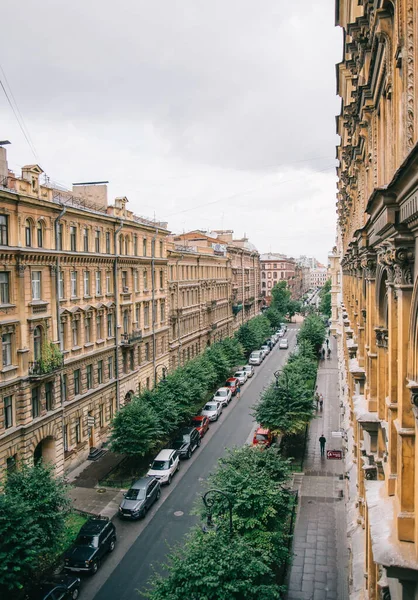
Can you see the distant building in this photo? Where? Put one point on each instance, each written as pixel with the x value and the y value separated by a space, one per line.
pixel 318 277
pixel 274 268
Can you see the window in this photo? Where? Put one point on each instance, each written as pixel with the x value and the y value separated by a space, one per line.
pixel 110 332
pixel 145 275
pixel 37 343
pixel 87 283
pixel 124 281
pixel 73 238
pixel 78 431
pixel 121 244
pixel 8 411
pixel 36 285
pixel 146 314
pixel 85 239
pixel 73 278
pixel 148 384
pixel 97 241
pixel 87 334
pixel 64 388
pixel 111 409
pixel 40 235
pixel 144 246
pixel 136 280
pixel 98 283
pixel 138 314
pixel 77 382
pixel 108 282
pixel 65 437
pixel 147 351
pixel 59 236
pixel 110 367
pixel 11 464
pixel 49 395
pixel 99 328
pixel 4 288
pixel 162 311
pixel 4 230
pixel 61 285
pixel 89 372
pixel 125 321
pixel 35 402
pixel 126 245
pixel 74 329
pixel 107 242
pixel 161 279
pixel 100 372
pixel 161 249
pixel 101 416
pixel 135 245
pixel 28 234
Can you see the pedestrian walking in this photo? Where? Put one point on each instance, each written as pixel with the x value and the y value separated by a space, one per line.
pixel 322 442
pixel 329 353
pixel 316 399
pixel 321 401
pixel 327 341
pixel 238 391
pixel 323 353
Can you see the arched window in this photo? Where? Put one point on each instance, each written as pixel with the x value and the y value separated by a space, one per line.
pixel 126 245
pixel 40 235
pixel 28 233
pixel 121 244
pixel 37 343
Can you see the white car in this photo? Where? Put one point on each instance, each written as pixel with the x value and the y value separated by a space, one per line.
pixel 223 395
pixel 164 466
pixel 256 358
pixel 249 369
pixel 283 344
pixel 241 376
pixel 281 333
pixel 266 349
pixel 212 410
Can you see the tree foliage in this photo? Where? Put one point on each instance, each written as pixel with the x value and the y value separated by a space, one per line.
pixel 274 316
pixel 325 296
pixel 254 333
pixel 135 428
pixel 313 331
pixel 280 297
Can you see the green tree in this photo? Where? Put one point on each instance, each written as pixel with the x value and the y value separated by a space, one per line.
pixel 136 428
pixel 274 316
pixel 293 307
pixel 313 330
pixel 280 297
pixel 325 296
pixel 252 334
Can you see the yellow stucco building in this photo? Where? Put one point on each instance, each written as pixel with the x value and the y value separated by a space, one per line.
pixel 377 210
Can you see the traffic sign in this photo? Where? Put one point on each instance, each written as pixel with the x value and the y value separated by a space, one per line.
pixel 334 454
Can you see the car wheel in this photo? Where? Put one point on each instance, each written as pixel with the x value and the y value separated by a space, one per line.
pixel 112 545
pixel 158 495
pixel 189 453
pixel 75 594
pixel 169 480
pixel 95 567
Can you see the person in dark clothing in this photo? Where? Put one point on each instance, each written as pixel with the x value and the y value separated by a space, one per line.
pixel 321 401
pixel 323 353
pixel 322 442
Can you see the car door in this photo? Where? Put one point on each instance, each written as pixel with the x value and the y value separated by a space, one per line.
pixel 150 494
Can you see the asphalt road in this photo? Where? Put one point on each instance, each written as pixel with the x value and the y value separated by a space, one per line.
pixel 143 545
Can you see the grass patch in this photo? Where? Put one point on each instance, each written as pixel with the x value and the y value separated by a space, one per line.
pixel 73 523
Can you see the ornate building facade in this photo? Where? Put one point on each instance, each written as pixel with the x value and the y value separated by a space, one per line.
pixel 278 267
pixel 378 230
pixel 83 315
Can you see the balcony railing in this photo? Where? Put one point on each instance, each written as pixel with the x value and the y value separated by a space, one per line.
pixel 40 368
pixel 128 339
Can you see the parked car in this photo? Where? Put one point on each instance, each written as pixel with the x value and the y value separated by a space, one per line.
pixel 241 376
pixel 200 423
pixel 95 539
pixel 187 441
pixel 249 369
pixel 266 349
pixel 57 587
pixel 256 358
pixel 212 410
pixel 139 498
pixel 270 343
pixel 263 437
pixel 283 343
pixel 281 333
pixel 232 383
pixel 283 326
pixel 224 395
pixel 165 465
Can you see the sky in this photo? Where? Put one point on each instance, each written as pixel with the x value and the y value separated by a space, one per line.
pixel 208 115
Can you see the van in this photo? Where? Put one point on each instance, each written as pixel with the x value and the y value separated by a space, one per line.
pixel 256 358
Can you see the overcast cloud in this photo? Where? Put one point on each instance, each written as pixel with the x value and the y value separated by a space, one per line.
pixel 208 114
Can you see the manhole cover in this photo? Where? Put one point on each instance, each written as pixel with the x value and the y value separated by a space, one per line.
pixel 178 513
pixel 101 490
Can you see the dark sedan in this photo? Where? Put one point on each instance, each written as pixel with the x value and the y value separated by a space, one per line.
pixel 187 441
pixel 57 587
pixel 139 498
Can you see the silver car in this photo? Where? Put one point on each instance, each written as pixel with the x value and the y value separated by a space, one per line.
pixel 139 498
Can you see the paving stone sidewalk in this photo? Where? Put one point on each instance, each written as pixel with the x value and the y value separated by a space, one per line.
pixel 319 569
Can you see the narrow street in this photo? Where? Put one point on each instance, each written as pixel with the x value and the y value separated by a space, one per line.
pixel 144 545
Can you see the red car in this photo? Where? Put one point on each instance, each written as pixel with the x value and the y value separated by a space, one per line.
pixel 201 423
pixel 233 384
pixel 263 437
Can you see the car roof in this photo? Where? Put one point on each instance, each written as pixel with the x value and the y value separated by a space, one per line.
pixel 224 389
pixel 240 371
pixel 262 430
pixel 247 367
pixel 283 340
pixel 94 526
pixel 164 454
pixel 198 418
pixel 142 483
pixel 211 402
pixel 185 430
pixel 231 379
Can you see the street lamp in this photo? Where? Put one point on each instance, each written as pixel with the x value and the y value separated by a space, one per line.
pixel 209 500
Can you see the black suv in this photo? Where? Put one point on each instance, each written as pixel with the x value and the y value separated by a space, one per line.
pixel 57 587
pixel 94 540
pixel 186 442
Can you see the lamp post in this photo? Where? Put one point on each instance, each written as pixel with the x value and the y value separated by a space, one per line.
pixel 209 499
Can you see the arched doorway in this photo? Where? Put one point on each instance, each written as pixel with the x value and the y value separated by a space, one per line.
pixel 128 397
pixel 45 451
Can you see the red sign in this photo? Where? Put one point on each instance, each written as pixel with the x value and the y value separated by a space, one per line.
pixel 334 454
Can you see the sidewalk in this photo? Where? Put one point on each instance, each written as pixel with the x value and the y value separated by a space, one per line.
pixel 319 569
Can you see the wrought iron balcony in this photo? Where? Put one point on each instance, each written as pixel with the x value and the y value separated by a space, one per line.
pixel 40 369
pixel 129 339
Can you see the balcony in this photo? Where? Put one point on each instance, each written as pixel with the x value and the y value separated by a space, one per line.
pixel 130 339
pixel 41 369
pixel 236 308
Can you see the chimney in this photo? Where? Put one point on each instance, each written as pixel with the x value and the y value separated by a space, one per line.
pixel 3 166
pixel 93 191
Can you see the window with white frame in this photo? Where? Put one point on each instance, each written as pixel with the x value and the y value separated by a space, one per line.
pixel 36 285
pixel 8 411
pixel 6 348
pixel 61 285
pixel 110 332
pixel 73 279
pixel 87 283
pixel 109 282
pixel 4 230
pixel 136 280
pixel 75 332
pixel 85 239
pixel 4 287
pixel 98 283
pixel 73 238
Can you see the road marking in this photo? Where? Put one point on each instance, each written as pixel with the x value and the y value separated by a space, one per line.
pixel 178 513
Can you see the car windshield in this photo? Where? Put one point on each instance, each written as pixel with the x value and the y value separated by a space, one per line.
pixel 160 465
pixel 197 422
pixel 261 437
pixel 210 407
pixel 134 494
pixel 239 374
pixel 184 438
pixel 88 540
pixel 230 383
pixel 221 393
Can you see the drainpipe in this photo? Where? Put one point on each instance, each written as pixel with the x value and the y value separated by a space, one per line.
pixel 243 286
pixel 178 313
pixel 116 292
pixel 153 304
pixel 57 283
